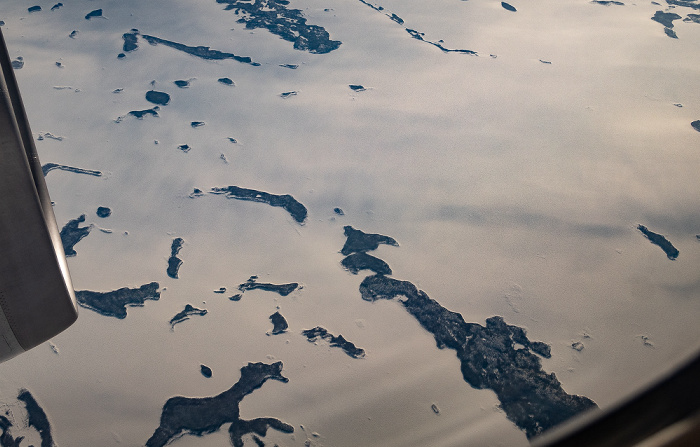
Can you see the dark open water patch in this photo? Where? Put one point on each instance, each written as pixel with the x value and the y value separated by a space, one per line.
pixel 48 135
pixel 48 167
pixel 358 241
pixel 103 212
pixel 665 18
pixel 286 201
pixel 201 51
pixel 36 417
pixel 686 3
pixel 420 36
pixel 139 114
pixel 416 34
pixel 130 40
pixel 200 416
pixel 114 303
pixel 185 314
pixel 159 98
pixel 279 323
pixel 288 24
pixel 661 241
pixel 226 81
pixel 489 355
pixel 335 341
pixel 72 233
pixel 508 7
pixel 396 18
pixel 196 192
pixel 696 125
pixel 362 261
pixel 174 262
pixel 93 14
pixel 531 398
pixel 281 289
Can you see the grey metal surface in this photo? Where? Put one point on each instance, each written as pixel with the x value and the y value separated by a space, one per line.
pixel 36 294
pixel 671 400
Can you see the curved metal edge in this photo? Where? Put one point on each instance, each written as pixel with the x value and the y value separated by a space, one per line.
pixel 31 318
pixel 9 345
pixel 35 165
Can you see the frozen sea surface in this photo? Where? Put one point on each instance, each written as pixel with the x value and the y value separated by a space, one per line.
pixel 512 154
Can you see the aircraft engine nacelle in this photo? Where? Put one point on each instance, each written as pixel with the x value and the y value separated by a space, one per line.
pixel 37 300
